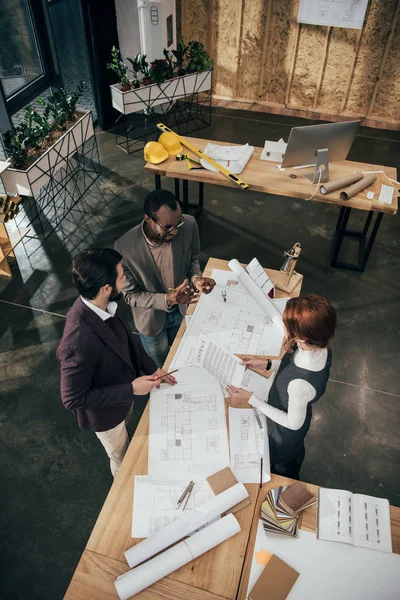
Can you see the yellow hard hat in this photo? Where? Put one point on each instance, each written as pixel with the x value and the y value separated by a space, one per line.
pixel 155 153
pixel 171 142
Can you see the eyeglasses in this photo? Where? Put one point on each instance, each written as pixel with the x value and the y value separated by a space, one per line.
pixel 169 228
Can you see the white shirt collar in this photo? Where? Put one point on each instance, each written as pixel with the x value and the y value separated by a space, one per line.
pixel 111 308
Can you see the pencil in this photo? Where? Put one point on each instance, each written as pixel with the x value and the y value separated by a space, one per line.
pixel 261 472
pixel 170 373
pixel 173 290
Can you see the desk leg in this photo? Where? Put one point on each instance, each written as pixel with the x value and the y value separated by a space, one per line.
pixel 177 190
pixel 157 179
pixel 185 185
pixel 364 246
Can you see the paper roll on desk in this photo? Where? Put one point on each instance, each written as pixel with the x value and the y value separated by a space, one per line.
pixel 263 300
pixel 354 189
pixel 338 184
pixel 185 525
pixel 141 577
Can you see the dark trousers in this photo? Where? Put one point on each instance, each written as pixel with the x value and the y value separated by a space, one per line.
pixel 288 468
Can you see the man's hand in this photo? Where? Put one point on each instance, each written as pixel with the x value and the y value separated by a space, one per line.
pixel 204 284
pixel 237 395
pixel 143 385
pixel 168 379
pixel 184 294
pixel 253 362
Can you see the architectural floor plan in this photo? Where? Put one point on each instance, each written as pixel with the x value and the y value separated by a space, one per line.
pixel 248 443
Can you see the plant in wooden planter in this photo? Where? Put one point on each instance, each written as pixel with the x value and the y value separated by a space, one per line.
pixel 198 58
pixel 159 70
pixel 40 145
pixel 136 68
pixel 180 54
pixel 120 69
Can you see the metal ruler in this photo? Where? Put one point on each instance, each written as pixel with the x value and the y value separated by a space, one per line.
pixel 241 184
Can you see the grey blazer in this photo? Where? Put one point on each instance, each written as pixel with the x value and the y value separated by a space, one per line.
pixel 144 289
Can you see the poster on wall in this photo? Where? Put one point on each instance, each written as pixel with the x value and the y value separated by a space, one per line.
pixel 334 13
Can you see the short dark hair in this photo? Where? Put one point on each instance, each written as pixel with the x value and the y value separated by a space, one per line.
pixel 92 269
pixel 158 198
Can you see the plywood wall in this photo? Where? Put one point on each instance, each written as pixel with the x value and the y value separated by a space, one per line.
pixel 263 56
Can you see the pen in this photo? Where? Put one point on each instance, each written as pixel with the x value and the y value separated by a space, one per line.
pixel 170 373
pixel 257 416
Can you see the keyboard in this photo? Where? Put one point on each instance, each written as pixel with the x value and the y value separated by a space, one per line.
pixel 386 194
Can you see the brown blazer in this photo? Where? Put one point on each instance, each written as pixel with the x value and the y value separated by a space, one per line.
pixel 96 373
pixel 144 289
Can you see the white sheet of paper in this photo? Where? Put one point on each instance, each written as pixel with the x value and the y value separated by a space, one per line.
pixel 155 503
pixel 188 435
pixel 248 443
pixel 331 571
pixel 194 374
pixel 335 13
pixel 221 363
pixel 257 384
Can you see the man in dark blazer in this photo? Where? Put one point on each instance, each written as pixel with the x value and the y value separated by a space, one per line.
pixel 101 361
pixel 162 269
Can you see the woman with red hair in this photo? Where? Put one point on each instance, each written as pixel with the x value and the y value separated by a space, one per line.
pixel 301 378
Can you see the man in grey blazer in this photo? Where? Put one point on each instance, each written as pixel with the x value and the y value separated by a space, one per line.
pixel 162 270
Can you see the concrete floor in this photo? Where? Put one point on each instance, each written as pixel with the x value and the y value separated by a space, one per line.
pixel 55 477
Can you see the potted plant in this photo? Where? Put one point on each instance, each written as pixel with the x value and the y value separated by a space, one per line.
pixel 159 70
pixel 136 67
pixel 179 55
pixel 197 57
pixel 170 68
pixel 41 144
pixel 145 70
pixel 120 69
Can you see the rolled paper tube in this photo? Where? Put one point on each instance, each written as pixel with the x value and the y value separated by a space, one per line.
pixel 353 190
pixel 136 580
pixel 264 302
pixel 185 525
pixel 338 184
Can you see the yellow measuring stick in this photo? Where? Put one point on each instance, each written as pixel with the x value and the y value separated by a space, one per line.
pixel 200 154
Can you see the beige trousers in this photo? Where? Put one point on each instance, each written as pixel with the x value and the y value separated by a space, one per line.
pixel 115 442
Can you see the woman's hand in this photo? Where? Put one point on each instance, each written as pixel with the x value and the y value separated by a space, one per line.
pixel 167 379
pixel 237 395
pixel 253 362
pixel 143 385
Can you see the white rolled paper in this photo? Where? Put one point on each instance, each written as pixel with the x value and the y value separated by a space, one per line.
pixel 136 580
pixel 185 525
pixel 264 302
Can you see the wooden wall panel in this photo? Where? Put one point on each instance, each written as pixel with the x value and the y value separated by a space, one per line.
pixel 337 68
pixel 225 43
pixel 375 32
pixel 387 103
pixel 263 56
pixel 251 49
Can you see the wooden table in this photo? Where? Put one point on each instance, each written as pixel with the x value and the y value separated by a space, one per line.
pixel 264 176
pixel 220 574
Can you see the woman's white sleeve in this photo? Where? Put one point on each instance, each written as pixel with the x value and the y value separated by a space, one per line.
pixel 300 394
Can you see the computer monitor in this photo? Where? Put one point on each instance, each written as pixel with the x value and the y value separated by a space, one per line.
pixel 318 145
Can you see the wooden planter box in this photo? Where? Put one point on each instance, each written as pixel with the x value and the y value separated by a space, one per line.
pixel 29 182
pixel 153 95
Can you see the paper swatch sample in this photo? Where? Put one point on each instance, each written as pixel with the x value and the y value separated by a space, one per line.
pixel 186 524
pixel 248 443
pixel 233 158
pixel 136 580
pixel 277 577
pixel 296 498
pixel 188 434
pixel 155 503
pixel 222 481
pixel 354 519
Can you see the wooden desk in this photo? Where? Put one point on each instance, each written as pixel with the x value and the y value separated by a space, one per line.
pixel 219 574
pixel 264 176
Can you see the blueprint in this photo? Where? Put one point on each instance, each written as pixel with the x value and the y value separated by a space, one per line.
pixel 155 503
pixel 336 13
pixel 248 443
pixel 188 434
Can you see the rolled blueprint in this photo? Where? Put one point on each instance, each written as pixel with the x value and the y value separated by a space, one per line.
pixel 185 525
pixel 263 301
pixel 136 580
pixel 357 187
pixel 332 186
